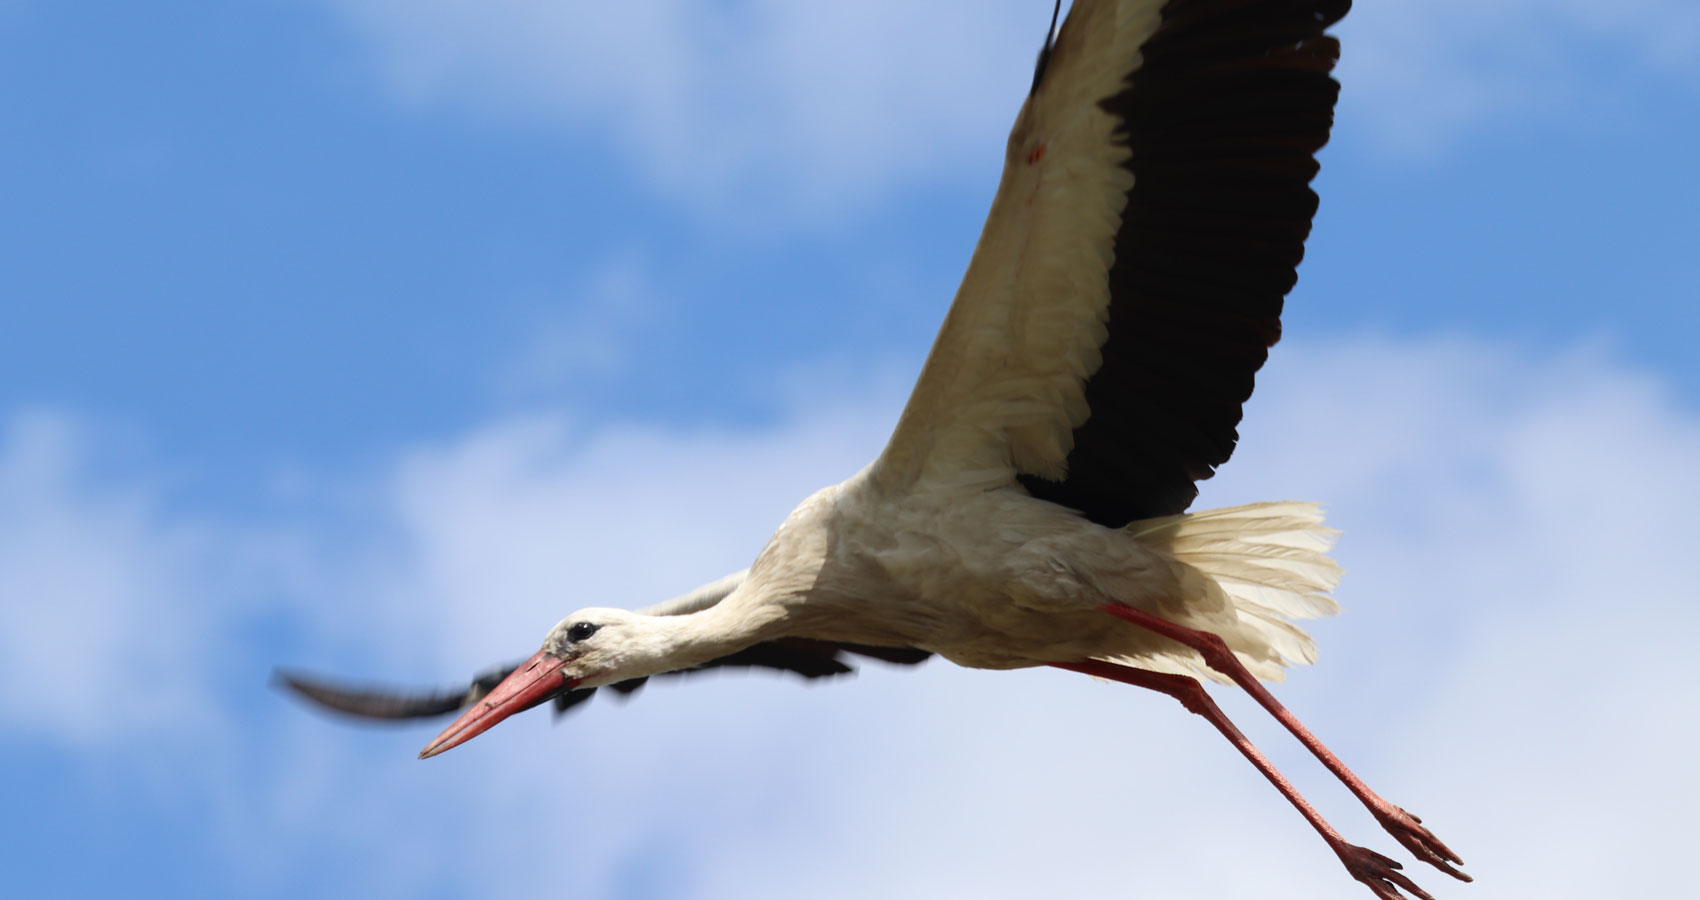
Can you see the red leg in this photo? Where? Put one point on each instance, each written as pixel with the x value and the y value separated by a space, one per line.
pixel 1378 872
pixel 1405 828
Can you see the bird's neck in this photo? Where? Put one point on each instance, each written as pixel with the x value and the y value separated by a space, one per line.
pixel 709 634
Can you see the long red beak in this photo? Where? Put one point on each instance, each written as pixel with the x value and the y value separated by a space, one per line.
pixel 536 680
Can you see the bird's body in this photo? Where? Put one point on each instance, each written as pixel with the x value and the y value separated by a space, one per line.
pixel 1024 580
pixel 1031 506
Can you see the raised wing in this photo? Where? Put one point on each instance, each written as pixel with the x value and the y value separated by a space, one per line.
pixel 1154 205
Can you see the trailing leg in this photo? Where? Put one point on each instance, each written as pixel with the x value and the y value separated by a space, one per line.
pixel 1405 828
pixel 1381 874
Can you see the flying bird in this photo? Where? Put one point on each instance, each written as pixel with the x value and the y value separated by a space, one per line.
pixel 1030 508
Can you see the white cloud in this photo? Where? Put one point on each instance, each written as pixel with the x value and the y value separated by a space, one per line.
pixel 1510 664
pixel 794 109
pixel 775 110
pixel 1425 74
pixel 95 641
pixel 530 517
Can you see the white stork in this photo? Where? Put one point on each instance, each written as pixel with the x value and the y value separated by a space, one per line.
pixel 1030 508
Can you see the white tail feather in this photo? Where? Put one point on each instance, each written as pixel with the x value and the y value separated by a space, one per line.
pixel 1269 561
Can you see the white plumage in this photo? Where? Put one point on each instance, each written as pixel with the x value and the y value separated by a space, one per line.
pixel 1029 507
pixel 1267 562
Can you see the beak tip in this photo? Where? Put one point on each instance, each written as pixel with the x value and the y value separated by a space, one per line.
pixel 532 683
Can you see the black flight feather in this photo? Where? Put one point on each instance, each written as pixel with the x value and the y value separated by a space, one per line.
pixel 1223 111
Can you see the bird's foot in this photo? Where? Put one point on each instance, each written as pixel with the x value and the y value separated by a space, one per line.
pixel 1380 873
pixel 1408 830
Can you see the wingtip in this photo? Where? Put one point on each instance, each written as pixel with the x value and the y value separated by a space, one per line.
pixel 287 680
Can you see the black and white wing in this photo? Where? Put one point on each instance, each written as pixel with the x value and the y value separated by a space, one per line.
pixel 799 656
pixel 1154 205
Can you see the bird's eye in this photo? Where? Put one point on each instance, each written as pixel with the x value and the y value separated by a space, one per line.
pixel 581 631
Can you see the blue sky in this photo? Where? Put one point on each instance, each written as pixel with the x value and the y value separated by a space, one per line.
pixel 374 336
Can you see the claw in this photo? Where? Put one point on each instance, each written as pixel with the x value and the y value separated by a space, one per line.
pixel 1380 874
pixel 1410 833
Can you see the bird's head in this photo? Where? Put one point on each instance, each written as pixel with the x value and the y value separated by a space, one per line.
pixel 597 646
pixel 589 648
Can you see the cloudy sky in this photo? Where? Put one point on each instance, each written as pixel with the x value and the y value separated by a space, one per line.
pixel 372 336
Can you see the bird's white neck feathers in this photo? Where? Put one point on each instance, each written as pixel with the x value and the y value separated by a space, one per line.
pixel 633 645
